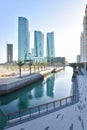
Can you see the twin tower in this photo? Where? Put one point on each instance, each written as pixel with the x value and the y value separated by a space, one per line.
pixel 24 42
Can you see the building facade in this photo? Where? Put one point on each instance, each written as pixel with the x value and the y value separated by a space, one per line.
pixel 50 51
pixel 38 44
pixel 83 39
pixel 23 39
pixel 9 53
pixel 82 48
pixel 78 59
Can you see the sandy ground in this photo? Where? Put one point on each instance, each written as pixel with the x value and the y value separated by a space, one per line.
pixel 7 72
pixel 4 72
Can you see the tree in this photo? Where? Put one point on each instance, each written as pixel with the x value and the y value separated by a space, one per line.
pixel 73 65
pixel 30 64
pixel 38 65
pixel 20 64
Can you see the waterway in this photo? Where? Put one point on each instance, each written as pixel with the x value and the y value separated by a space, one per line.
pixel 54 86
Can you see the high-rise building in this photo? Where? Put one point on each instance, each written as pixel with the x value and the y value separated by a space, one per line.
pixel 50 45
pixel 9 53
pixel 39 44
pixel 83 39
pixel 23 39
pixel 82 48
pixel 78 58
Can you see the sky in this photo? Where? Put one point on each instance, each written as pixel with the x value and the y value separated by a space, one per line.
pixel 63 17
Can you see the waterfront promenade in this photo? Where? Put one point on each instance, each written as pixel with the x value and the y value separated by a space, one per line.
pixel 11 83
pixel 73 117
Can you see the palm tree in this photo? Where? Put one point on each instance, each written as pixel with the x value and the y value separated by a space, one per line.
pixel 38 65
pixel 34 67
pixel 20 64
pixel 30 64
pixel 73 65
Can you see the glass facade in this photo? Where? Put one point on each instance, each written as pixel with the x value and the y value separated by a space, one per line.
pixel 23 38
pixel 50 45
pixel 39 44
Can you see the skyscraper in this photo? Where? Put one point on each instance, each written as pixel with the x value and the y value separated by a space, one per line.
pixel 82 47
pixel 9 53
pixel 50 45
pixel 83 39
pixel 23 38
pixel 39 44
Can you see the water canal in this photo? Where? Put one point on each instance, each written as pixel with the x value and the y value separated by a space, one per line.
pixel 54 86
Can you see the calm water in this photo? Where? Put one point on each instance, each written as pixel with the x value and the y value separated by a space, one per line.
pixel 53 87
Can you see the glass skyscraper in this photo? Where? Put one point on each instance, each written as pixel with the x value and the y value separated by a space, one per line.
pixel 23 39
pixel 39 44
pixel 50 45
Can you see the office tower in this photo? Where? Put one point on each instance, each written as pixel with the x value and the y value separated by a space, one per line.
pixel 50 45
pixel 39 44
pixel 83 39
pixel 23 39
pixel 9 53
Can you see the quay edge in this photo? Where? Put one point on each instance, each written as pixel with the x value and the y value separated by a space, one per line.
pixel 9 85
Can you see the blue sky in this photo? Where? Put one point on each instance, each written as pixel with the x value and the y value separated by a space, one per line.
pixel 63 17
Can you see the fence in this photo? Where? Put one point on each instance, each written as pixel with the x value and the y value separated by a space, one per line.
pixel 38 110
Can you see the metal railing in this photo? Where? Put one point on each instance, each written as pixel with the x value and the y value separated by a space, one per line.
pixel 38 110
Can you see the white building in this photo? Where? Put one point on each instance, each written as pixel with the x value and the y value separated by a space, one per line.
pixel 78 58
pixel 83 39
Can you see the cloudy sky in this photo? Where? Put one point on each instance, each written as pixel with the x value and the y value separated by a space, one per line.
pixel 63 17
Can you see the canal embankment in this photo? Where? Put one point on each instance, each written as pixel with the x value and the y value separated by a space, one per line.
pixel 11 84
pixel 53 109
pixel 72 117
pixel 48 107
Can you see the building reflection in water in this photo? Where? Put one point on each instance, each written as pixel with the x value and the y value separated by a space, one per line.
pixel 38 90
pixel 50 86
pixel 23 101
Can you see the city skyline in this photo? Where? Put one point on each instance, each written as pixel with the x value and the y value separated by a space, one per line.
pixel 64 18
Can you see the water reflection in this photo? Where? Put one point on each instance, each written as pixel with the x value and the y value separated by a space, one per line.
pixel 4 100
pixel 23 101
pixel 38 93
pixel 50 85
